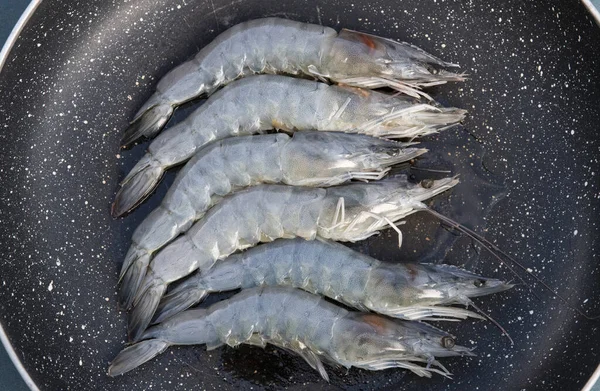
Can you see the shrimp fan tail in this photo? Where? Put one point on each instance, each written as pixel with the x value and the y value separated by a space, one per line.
pixel 136 189
pixel 144 310
pixel 148 124
pixel 132 280
pixel 175 303
pixel 136 355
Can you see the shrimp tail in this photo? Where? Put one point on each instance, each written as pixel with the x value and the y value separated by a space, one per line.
pixel 137 186
pixel 147 124
pixel 136 355
pixel 177 302
pixel 132 255
pixel 145 306
pixel 132 278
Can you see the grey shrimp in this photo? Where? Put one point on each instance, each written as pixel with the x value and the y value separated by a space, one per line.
pixel 264 213
pixel 316 159
pixel 404 291
pixel 280 46
pixel 305 324
pixel 260 103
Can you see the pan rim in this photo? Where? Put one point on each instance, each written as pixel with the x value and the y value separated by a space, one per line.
pixel 14 34
pixel 593 10
pixel 8 45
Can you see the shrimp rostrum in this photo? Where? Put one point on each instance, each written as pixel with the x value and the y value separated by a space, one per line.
pixel 404 291
pixel 318 159
pixel 261 103
pixel 281 46
pixel 303 323
pixel 264 213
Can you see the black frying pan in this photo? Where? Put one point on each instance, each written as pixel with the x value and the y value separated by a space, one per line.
pixel 78 72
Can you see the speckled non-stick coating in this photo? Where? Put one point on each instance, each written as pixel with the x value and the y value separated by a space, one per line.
pixel 80 70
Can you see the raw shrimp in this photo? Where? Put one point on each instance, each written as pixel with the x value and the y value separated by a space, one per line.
pixel 317 159
pixel 268 212
pixel 281 46
pixel 352 152
pixel 405 291
pixel 305 324
pixel 261 103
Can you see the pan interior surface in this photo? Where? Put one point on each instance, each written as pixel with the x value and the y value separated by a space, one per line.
pixel 80 70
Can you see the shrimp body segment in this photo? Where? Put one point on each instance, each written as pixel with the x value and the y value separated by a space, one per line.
pixel 305 324
pixel 264 213
pixel 404 291
pixel 280 46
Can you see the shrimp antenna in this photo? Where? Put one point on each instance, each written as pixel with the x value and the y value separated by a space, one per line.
pixel 480 240
pixel 491 246
pixel 488 317
pixel 431 170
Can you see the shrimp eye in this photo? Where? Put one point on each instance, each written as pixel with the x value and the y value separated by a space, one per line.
pixel 427 183
pixel 479 283
pixel 432 70
pixel 448 342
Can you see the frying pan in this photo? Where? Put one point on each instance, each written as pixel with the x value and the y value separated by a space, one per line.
pixel 78 72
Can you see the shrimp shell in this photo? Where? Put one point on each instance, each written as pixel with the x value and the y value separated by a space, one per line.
pixel 305 324
pixel 404 291
pixel 261 103
pixel 265 213
pixel 280 46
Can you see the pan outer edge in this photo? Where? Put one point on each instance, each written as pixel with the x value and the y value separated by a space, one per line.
pixel 14 34
pixel 593 10
pixel 590 385
pixel 15 359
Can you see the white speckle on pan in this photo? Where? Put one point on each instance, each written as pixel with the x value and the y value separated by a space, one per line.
pixel 51 286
